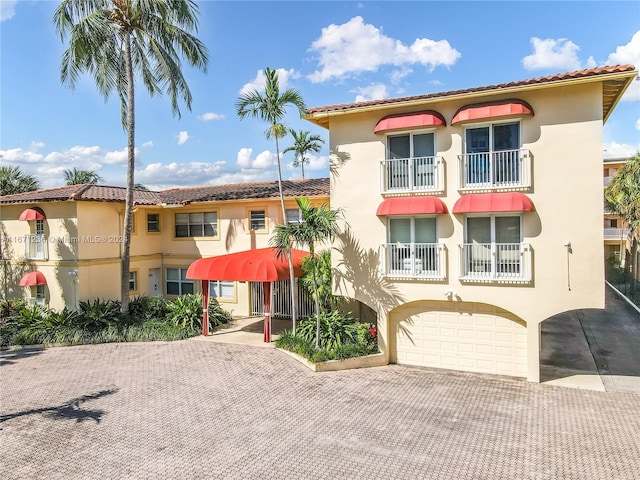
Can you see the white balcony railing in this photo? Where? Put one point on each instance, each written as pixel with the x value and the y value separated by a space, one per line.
pixel 503 169
pixel 418 174
pixel 414 260
pixel 36 247
pixel 616 233
pixel 495 262
pixel 32 301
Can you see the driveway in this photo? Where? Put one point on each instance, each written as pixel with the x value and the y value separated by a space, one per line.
pixel 206 410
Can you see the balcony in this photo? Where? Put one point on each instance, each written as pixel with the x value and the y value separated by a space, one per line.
pixel 501 262
pixel 616 233
pixel 414 260
pixel 507 169
pixel 417 174
pixel 36 247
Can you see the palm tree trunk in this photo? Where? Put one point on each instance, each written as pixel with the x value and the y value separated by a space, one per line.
pixel 292 277
pixel 302 163
pixel 128 209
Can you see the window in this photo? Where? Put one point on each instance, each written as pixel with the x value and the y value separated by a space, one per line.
pixel 177 283
pixel 222 289
pixel 203 224
pixel 412 248
pixel 133 281
pixel 153 222
pixel 492 154
pixel 257 220
pixel 410 161
pixel 294 215
pixel 614 223
pixel 493 245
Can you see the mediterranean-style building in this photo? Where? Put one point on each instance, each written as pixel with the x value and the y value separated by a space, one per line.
pixel 615 230
pixel 63 245
pixel 473 215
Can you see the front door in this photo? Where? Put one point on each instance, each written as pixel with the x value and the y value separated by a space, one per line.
pixel 154 282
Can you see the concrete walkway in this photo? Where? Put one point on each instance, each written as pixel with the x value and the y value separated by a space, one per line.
pixel 593 349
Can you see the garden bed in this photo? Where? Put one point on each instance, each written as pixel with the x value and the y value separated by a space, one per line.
pixel 373 360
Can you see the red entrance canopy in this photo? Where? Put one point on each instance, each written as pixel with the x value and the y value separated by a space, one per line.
pixel 493 202
pixel 259 265
pixel 503 108
pixel 423 205
pixel 32 279
pixel 428 118
pixel 34 213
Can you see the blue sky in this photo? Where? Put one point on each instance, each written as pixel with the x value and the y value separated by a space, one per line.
pixel 332 52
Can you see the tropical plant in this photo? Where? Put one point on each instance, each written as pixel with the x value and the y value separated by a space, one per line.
pixel 318 224
pixel 98 314
pixel 80 177
pixel 622 196
pixel 13 180
pixel 337 328
pixel 270 106
pixel 186 312
pixel 304 143
pixel 113 40
pixel 320 265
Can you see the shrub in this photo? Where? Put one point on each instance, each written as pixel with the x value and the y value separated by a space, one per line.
pixel 99 314
pixel 336 328
pixel 186 311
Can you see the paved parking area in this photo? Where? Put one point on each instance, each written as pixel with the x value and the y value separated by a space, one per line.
pixel 200 410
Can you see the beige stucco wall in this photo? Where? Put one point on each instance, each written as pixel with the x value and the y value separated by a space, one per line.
pixel 565 140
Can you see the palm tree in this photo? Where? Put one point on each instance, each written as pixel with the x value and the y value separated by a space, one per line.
pixel 622 196
pixel 13 180
pixel 318 224
pixel 304 143
pixel 79 177
pixel 270 106
pixel 112 40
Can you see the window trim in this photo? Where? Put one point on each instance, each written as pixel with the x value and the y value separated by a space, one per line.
pixel 159 222
pixel 257 208
pixel 134 271
pixel 232 299
pixel 412 227
pixel 298 221
pixel 483 124
pixel 179 281
pixel 411 133
pixel 492 217
pixel 198 237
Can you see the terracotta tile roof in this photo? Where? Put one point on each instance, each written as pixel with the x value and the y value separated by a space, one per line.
pixel 240 191
pixel 246 191
pixel 591 72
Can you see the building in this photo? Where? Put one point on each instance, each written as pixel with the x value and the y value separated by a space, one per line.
pixel 615 230
pixel 64 244
pixel 474 215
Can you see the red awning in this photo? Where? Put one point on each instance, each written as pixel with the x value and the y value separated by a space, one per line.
pixel 32 279
pixel 259 265
pixel 34 213
pixel 428 118
pixel 480 111
pixel 493 202
pixel 411 206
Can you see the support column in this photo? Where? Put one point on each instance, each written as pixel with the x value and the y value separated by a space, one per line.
pixel 266 288
pixel 205 308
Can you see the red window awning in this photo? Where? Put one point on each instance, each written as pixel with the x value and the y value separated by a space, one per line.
pixel 481 111
pixel 403 121
pixel 33 213
pixel 259 265
pixel 493 202
pixel 423 205
pixel 32 279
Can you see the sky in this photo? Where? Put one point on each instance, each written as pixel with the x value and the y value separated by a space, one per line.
pixel 332 52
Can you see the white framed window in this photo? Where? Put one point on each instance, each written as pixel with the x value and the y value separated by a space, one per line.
pixel 133 281
pixel 153 222
pixel 177 282
pixel 294 215
pixel 411 161
pixel 412 248
pixel 197 224
pixel 492 153
pixel 222 289
pixel 257 220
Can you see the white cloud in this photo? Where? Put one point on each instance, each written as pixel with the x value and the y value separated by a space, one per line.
pixel 372 92
pixel 159 176
pixel 628 54
pixel 263 161
pixel 552 54
pixel 638 124
pixel 259 82
pixel 315 164
pixel 619 150
pixel 148 144
pixel 355 47
pixel 7 9
pixel 209 116
pixel 20 156
pixel 182 137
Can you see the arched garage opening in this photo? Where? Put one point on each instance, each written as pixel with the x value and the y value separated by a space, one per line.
pixel 473 337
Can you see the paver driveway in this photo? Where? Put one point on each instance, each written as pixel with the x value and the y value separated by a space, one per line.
pixel 193 409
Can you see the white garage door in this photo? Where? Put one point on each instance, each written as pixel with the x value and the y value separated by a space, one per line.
pixel 475 339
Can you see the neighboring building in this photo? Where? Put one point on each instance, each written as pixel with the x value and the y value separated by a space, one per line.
pixel 615 229
pixel 70 238
pixel 474 215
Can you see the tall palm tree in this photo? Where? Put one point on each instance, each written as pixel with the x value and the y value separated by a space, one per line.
pixel 622 197
pixel 79 177
pixel 13 180
pixel 116 40
pixel 318 224
pixel 270 106
pixel 304 143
